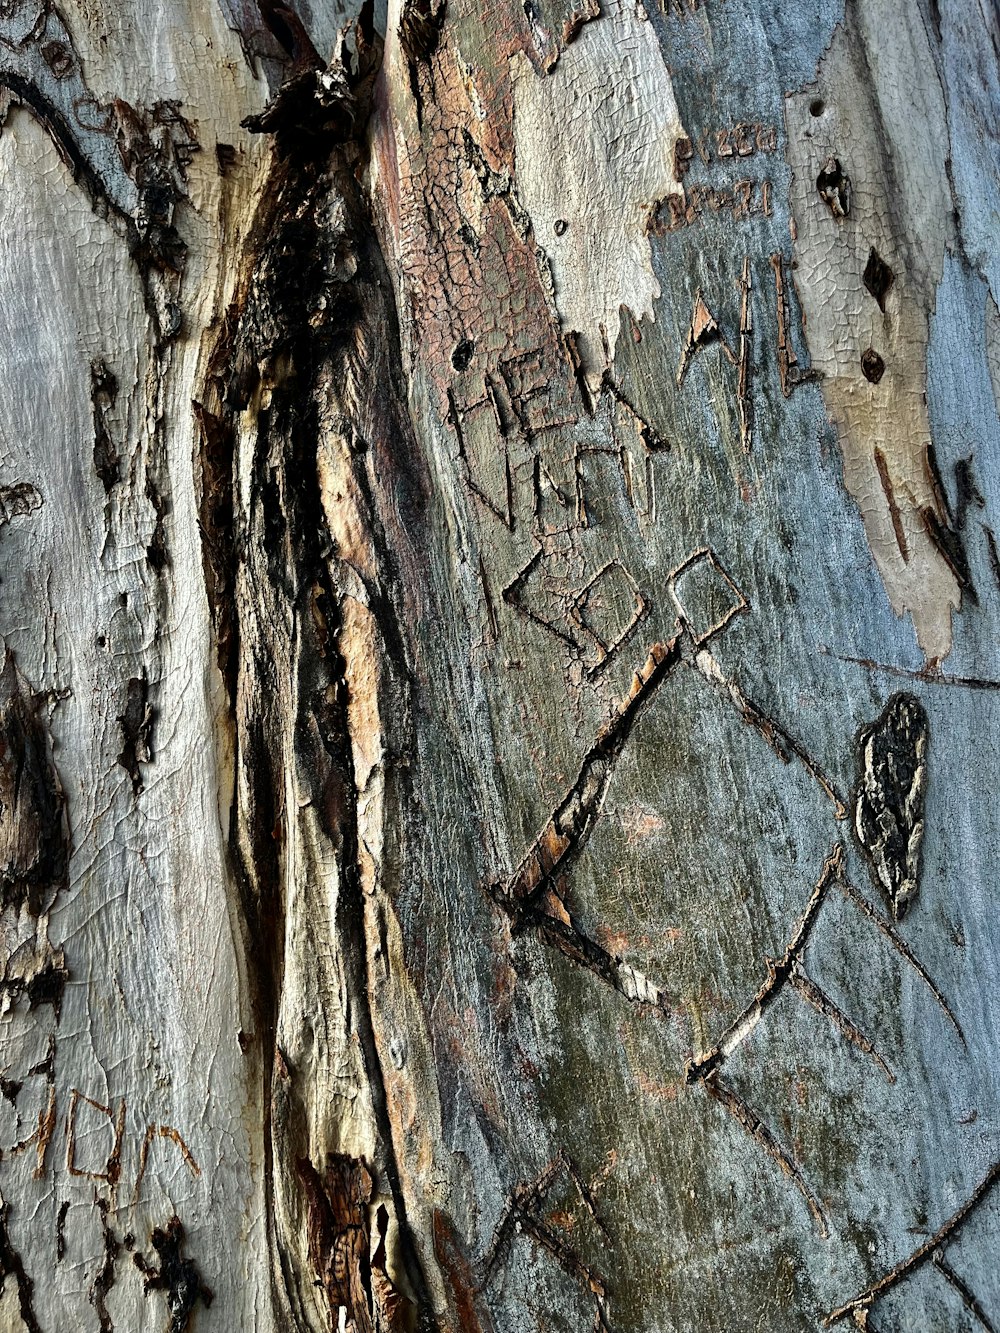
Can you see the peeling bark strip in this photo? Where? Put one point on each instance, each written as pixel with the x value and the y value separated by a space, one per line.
pixel 595 143
pixel 889 802
pixel 353 1278
pixel 307 381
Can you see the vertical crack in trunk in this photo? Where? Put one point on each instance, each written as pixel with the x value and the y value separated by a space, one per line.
pixel 290 396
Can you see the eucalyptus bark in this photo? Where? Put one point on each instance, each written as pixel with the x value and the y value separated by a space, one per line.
pixel 498 584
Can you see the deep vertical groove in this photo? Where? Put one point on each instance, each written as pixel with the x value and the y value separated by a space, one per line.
pixel 301 327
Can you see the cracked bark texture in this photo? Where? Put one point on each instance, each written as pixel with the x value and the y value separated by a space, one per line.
pixel 498 586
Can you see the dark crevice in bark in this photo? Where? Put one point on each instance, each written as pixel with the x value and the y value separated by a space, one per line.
pixel 61 1231
pixel 216 524
pixel 315 305
pixel 11 1265
pixel 151 236
pixel 103 395
pixel 136 724
pixel 55 122
pixel 177 1276
pixel 34 834
pixel 104 1279
pixel 420 23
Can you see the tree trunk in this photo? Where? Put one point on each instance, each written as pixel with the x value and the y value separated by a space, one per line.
pixel 499 588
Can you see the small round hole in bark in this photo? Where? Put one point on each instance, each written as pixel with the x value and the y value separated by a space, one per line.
pixel 872 365
pixel 463 354
pixel 561 226
pixel 817 106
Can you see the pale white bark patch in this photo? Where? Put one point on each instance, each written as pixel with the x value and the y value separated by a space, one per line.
pixel 859 115
pixel 594 154
pixel 148 1037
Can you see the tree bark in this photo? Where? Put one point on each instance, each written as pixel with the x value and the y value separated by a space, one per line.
pixel 499 586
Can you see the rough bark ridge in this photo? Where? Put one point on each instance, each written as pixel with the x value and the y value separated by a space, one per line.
pixel 310 398
pixel 487 835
